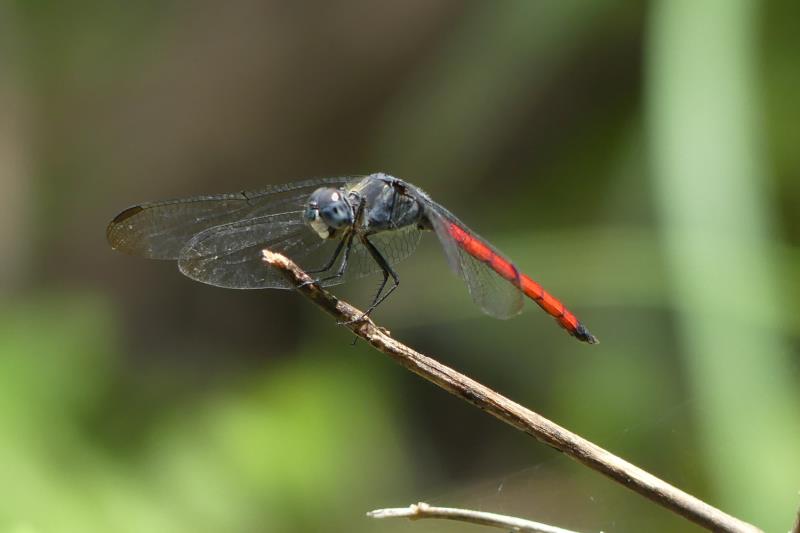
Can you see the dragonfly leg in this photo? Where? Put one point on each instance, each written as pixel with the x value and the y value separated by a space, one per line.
pixel 347 245
pixel 333 259
pixel 387 271
pixel 345 259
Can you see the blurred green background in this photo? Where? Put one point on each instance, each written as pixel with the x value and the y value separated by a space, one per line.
pixel 639 159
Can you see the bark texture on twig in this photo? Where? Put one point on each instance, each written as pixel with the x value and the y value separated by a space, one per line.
pixel 423 510
pixel 510 412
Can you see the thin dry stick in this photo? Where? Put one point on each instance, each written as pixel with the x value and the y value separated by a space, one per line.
pixel 510 412
pixel 423 510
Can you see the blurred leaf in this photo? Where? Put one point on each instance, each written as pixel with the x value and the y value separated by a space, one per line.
pixel 717 228
pixel 286 449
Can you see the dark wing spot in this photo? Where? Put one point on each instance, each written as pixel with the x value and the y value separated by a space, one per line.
pixel 128 213
pixel 114 236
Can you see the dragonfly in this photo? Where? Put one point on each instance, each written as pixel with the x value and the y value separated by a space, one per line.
pixel 337 229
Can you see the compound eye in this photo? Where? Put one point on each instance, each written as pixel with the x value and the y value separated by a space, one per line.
pixel 337 216
pixel 329 206
pixel 337 213
pixel 312 211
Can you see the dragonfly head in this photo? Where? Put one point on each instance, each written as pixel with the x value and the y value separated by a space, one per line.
pixel 328 211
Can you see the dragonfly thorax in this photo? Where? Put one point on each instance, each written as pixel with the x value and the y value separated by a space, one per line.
pixel 328 211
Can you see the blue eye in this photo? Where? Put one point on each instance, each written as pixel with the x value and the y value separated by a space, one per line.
pixel 331 207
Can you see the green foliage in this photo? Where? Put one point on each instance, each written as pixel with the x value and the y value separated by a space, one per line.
pixel 283 449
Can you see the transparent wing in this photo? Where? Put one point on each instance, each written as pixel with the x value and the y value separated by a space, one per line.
pixel 229 255
pixel 394 246
pixel 495 295
pixel 161 230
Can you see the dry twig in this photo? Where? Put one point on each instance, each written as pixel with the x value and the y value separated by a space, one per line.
pixel 510 412
pixel 423 510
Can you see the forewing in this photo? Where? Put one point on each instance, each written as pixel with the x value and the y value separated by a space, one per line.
pixel 161 230
pixel 495 295
pixel 229 255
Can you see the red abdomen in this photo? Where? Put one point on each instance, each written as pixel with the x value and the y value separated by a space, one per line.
pixel 506 269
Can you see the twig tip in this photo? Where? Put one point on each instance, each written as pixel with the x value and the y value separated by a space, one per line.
pixel 272 258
